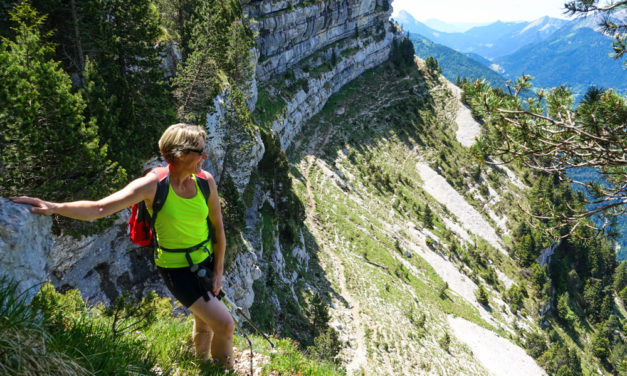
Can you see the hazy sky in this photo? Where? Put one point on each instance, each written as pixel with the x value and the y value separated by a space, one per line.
pixel 480 10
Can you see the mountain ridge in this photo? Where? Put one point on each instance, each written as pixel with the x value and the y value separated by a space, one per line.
pixel 490 41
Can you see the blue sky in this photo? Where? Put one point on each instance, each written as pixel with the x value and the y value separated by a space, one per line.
pixel 480 10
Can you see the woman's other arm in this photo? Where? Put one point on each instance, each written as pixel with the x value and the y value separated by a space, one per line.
pixel 219 247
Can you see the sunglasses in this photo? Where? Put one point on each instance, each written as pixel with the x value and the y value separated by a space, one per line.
pixel 200 151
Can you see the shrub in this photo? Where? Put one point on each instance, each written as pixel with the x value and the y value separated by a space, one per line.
pixel 482 295
pixel 515 297
pixel 600 346
pixel 429 242
pixel 326 346
pixel 535 344
pixel 445 341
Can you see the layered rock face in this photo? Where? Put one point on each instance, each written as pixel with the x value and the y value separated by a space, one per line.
pixel 290 31
pixel 323 45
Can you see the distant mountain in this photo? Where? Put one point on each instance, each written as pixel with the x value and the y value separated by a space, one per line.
pixel 456 64
pixel 456 27
pixel 490 41
pixel 575 55
pixel 414 26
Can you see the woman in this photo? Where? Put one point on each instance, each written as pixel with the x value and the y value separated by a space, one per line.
pixel 181 223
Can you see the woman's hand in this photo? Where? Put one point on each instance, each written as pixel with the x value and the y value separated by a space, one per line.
pixel 38 206
pixel 217 282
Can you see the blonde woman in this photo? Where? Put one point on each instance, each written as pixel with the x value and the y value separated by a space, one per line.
pixel 181 224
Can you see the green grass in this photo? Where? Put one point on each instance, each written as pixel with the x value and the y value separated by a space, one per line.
pixel 62 335
pixel 268 108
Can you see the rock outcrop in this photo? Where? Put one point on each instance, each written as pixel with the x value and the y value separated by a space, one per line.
pixel 25 244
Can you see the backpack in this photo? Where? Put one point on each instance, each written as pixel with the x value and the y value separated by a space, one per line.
pixel 141 225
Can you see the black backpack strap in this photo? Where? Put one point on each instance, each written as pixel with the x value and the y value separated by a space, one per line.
pixel 163 185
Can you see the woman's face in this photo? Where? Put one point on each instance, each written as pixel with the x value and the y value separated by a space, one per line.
pixel 192 159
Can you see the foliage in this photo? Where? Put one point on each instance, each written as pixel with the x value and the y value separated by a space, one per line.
pixel 129 315
pixel 445 341
pixel 290 360
pixel 547 133
pixel 274 168
pixel 49 148
pixel 515 296
pixel 59 334
pixel 432 65
pixel 535 344
pixel 620 277
pixel 427 217
pixel 25 343
pixel 557 142
pixel 121 44
pixel 402 52
pixel 527 244
pixel 558 359
pixel 326 346
pixel 482 295
pixel 600 346
pixel 233 209
pixel 217 53
pixel 564 313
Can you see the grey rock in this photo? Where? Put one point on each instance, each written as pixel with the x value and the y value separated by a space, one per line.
pixel 104 265
pixel 231 149
pixel 25 244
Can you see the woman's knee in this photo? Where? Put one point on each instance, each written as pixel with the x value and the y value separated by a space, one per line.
pixel 225 326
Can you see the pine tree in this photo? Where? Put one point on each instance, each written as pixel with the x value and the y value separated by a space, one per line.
pixel 121 44
pixel 427 217
pixel 218 55
pixel 49 148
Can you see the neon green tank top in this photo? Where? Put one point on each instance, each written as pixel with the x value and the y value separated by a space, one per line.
pixel 182 223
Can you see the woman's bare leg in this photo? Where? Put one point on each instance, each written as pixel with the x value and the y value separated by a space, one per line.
pixel 202 335
pixel 218 318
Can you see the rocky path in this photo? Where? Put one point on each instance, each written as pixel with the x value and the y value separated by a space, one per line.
pixel 495 353
pixel 467 127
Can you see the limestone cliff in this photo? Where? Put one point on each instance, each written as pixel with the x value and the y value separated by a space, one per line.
pixel 316 45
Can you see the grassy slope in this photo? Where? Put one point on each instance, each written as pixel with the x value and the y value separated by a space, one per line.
pixel 355 170
pixel 363 191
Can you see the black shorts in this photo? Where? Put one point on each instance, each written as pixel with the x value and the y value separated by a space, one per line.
pixel 184 285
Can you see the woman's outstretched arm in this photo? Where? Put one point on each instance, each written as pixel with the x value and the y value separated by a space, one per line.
pixel 139 189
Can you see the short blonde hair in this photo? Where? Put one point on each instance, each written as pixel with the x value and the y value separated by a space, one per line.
pixel 179 137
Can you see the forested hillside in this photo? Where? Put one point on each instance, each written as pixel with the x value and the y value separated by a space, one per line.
pixel 456 65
